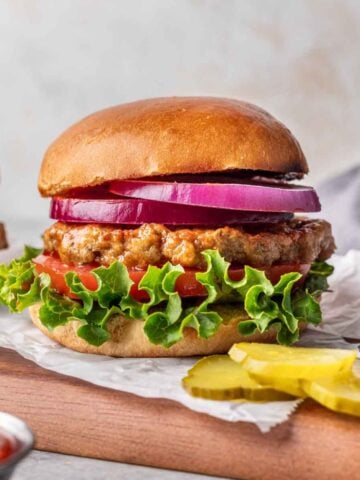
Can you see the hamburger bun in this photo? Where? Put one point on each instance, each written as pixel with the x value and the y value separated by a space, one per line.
pixel 129 340
pixel 169 136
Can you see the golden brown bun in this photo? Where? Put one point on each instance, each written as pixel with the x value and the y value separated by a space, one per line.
pixel 165 136
pixel 3 241
pixel 129 340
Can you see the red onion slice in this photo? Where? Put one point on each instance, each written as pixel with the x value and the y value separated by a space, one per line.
pixel 136 212
pixel 249 197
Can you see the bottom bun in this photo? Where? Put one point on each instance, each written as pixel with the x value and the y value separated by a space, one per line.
pixel 129 340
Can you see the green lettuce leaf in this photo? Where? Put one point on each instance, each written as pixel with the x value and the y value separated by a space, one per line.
pixel 267 305
pixel 19 287
pixel 317 279
pixel 282 306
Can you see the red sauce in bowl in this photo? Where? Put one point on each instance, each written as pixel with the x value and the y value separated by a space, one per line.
pixel 8 446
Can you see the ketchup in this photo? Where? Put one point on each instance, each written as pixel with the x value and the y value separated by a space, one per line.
pixel 8 446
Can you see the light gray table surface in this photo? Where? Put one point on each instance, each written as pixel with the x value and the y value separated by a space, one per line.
pixel 45 466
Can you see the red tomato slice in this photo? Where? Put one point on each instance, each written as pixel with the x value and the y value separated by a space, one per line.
pixel 186 284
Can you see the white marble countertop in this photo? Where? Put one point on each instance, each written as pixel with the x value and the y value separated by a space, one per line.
pixel 44 465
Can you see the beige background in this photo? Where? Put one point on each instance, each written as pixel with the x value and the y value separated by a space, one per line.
pixel 61 60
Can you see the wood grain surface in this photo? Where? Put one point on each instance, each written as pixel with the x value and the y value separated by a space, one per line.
pixel 74 417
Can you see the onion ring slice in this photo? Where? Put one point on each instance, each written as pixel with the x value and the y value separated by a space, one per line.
pixel 235 196
pixel 136 212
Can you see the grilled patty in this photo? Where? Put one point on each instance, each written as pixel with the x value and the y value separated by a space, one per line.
pixel 295 241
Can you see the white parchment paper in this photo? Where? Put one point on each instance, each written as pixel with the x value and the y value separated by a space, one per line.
pixel 161 378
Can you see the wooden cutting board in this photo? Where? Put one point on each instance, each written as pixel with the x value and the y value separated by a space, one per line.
pixel 74 417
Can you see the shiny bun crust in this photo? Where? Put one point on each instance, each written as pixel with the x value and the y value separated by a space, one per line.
pixel 168 136
pixel 129 340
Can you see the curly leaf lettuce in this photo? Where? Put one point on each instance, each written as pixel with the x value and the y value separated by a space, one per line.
pixel 19 286
pixel 316 281
pixel 282 306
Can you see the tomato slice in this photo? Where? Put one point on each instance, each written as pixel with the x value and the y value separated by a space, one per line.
pixel 186 284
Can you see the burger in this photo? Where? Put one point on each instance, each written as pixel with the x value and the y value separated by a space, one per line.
pixel 177 232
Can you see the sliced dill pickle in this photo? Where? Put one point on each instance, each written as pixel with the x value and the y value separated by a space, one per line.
pixel 340 393
pixel 274 362
pixel 219 378
pixel 292 386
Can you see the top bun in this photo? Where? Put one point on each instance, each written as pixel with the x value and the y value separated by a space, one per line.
pixel 167 136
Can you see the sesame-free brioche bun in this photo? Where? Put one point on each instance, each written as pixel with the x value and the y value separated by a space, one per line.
pixel 129 340
pixel 169 136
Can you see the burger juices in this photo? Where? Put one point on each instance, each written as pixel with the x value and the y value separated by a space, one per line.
pixel 177 233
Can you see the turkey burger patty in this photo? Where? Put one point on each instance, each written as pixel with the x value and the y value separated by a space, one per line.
pixel 296 241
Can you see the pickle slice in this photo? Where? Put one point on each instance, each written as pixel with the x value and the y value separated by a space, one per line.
pixel 292 386
pixel 341 393
pixel 274 362
pixel 219 378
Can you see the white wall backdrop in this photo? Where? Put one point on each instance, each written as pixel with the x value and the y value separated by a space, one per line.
pixel 61 60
